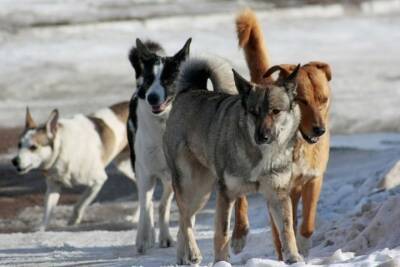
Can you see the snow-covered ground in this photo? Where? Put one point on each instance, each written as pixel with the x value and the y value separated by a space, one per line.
pixel 82 65
pixel 358 223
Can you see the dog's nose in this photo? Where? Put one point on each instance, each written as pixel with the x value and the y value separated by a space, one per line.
pixel 15 161
pixel 265 136
pixel 319 130
pixel 153 99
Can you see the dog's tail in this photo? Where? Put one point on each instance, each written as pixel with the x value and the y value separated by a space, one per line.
pixel 251 39
pixel 195 73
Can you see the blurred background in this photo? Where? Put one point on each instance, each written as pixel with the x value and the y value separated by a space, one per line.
pixel 72 55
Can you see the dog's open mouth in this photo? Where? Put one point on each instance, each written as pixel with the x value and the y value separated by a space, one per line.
pixel 309 139
pixel 157 109
pixel 24 170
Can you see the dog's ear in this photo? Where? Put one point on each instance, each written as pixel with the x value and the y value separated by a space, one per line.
pixel 243 86
pixel 284 70
pixel 135 61
pixel 290 82
pixel 183 54
pixel 29 122
pixel 324 67
pixel 52 124
pixel 143 52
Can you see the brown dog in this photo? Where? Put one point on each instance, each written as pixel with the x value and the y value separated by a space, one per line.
pixel 311 151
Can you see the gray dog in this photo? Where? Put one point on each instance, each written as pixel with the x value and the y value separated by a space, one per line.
pixel 243 143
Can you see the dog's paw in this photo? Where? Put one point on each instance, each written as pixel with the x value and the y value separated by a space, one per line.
pixel 145 240
pixel 195 257
pixel 192 258
pixel 74 220
pixel 238 241
pixel 238 244
pixel 294 258
pixel 39 228
pixel 303 244
pixel 166 241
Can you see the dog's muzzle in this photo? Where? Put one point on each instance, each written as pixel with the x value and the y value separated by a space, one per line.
pixel 156 106
pixel 16 162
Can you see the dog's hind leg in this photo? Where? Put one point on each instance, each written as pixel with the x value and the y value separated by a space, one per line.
pixel 145 237
pixel 241 228
pixel 222 220
pixel 51 199
pixel 164 210
pixel 88 196
pixel 310 195
pixel 123 164
pixel 192 190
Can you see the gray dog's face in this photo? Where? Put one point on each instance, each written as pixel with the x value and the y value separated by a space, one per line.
pixel 35 146
pixel 269 107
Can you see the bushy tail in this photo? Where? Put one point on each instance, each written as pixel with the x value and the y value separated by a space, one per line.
pixel 195 73
pixel 251 39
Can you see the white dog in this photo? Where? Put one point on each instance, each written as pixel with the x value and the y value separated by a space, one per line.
pixel 75 151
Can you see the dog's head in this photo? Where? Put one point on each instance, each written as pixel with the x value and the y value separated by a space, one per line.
pixel 35 146
pixel 271 107
pixel 159 73
pixel 313 96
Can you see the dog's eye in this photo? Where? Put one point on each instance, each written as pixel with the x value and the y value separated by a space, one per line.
pixel 276 111
pixel 33 147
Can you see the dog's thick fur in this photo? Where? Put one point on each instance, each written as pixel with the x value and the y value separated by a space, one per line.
pixel 75 151
pixel 243 143
pixel 149 109
pixel 311 151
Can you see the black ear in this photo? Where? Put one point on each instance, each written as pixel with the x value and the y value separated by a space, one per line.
pixel 243 86
pixel 51 124
pixel 183 54
pixel 135 61
pixel 290 82
pixel 143 51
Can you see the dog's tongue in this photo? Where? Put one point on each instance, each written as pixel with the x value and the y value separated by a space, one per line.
pixel 158 108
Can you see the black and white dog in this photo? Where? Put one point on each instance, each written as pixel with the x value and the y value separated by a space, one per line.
pixel 149 110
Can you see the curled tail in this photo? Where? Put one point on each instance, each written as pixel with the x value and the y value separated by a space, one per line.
pixel 195 73
pixel 251 39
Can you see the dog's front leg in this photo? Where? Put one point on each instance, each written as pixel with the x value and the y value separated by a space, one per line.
pixel 241 228
pixel 51 199
pixel 310 195
pixel 222 221
pixel 280 207
pixel 88 196
pixel 145 237
pixel 164 210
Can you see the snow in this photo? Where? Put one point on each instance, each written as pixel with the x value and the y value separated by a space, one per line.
pixel 80 67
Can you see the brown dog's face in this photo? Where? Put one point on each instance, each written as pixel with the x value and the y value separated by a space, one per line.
pixel 313 96
pixel 269 107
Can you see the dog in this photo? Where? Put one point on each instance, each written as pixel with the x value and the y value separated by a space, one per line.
pixel 75 151
pixel 149 109
pixel 311 152
pixel 242 143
